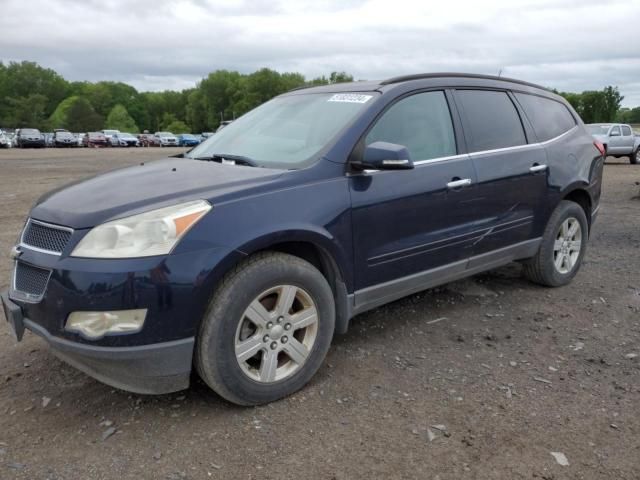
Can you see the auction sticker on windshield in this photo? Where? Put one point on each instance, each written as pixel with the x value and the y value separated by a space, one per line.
pixel 350 98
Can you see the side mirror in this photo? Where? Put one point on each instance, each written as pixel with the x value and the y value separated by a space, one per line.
pixel 386 156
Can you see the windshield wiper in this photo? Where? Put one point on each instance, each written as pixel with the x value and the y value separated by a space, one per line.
pixel 234 159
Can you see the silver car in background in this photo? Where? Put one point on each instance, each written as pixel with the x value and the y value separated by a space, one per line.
pixel 618 139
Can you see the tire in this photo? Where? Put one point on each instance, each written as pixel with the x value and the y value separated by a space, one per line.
pixel 262 281
pixel 634 158
pixel 543 267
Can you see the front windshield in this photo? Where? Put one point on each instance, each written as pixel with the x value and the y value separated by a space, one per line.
pixel 29 131
pixel 164 134
pixel 126 135
pixel 598 129
pixel 285 132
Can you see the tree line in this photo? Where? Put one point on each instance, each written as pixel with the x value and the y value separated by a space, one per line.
pixel 38 97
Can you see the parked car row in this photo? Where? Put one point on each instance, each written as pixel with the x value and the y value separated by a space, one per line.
pixel 32 137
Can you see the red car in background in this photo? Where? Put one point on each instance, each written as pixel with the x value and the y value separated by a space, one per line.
pixel 149 140
pixel 95 139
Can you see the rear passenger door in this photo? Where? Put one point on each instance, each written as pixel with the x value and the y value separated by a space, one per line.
pixel 615 146
pixel 627 138
pixel 511 170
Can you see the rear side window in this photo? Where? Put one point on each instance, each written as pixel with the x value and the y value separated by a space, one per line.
pixel 626 131
pixel 492 120
pixel 548 117
pixel 421 122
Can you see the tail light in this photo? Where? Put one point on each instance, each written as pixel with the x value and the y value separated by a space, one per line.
pixel 600 147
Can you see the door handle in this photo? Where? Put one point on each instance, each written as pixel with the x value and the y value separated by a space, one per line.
pixel 460 182
pixel 537 168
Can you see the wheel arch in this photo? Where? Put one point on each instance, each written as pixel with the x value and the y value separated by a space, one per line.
pixel 320 251
pixel 581 196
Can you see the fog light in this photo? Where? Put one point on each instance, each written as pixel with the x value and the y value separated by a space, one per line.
pixel 94 325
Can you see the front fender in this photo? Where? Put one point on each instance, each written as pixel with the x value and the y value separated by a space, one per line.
pixel 310 234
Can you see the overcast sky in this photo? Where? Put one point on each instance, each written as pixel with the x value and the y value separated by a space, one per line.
pixel 571 45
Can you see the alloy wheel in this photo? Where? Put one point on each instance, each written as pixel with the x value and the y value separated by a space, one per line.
pixel 566 248
pixel 276 334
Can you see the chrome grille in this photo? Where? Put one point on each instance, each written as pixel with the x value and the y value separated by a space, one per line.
pixel 30 282
pixel 44 236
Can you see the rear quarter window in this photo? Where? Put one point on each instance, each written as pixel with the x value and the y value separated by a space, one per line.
pixel 491 120
pixel 548 117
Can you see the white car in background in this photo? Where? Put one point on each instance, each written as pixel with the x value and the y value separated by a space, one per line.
pixel 5 142
pixel 109 134
pixel 167 139
pixel 123 139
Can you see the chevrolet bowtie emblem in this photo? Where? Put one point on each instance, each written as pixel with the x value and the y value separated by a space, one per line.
pixel 15 252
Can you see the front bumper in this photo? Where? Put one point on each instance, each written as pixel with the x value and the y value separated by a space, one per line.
pixel 147 369
pixel 174 289
pixel 32 143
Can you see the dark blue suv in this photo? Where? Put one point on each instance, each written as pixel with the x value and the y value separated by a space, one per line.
pixel 246 255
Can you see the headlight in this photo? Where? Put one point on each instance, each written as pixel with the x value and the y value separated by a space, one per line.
pixel 144 235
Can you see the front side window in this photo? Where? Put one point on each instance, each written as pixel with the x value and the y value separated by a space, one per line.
pixel 615 132
pixel 421 122
pixel 549 118
pixel 492 120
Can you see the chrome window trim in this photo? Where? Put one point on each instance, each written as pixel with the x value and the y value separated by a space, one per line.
pixel 44 224
pixel 551 140
pixel 486 152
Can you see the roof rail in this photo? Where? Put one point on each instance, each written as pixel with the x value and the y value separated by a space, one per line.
pixel 420 76
pixel 302 87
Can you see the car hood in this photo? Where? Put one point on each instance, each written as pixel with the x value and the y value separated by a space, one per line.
pixel 132 190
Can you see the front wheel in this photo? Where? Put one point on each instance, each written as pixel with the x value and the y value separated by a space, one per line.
pixel 267 329
pixel 562 247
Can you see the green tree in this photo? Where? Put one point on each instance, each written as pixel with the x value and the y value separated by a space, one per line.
pixel 103 96
pixel 119 119
pixel 20 81
pixel 596 106
pixel 177 126
pixel 612 100
pixel 81 117
pixel 58 118
pixel 628 115
pixel 340 77
pixel 29 111
pixel 196 115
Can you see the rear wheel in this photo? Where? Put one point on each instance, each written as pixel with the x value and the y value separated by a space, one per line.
pixel 267 329
pixel 562 247
pixel 634 158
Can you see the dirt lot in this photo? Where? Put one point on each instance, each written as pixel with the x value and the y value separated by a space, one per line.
pixel 508 373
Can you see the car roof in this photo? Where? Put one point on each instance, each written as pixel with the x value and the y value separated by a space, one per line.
pixel 444 79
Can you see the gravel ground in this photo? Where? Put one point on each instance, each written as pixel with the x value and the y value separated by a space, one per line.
pixel 479 379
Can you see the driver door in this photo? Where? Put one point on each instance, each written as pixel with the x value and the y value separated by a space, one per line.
pixel 412 225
